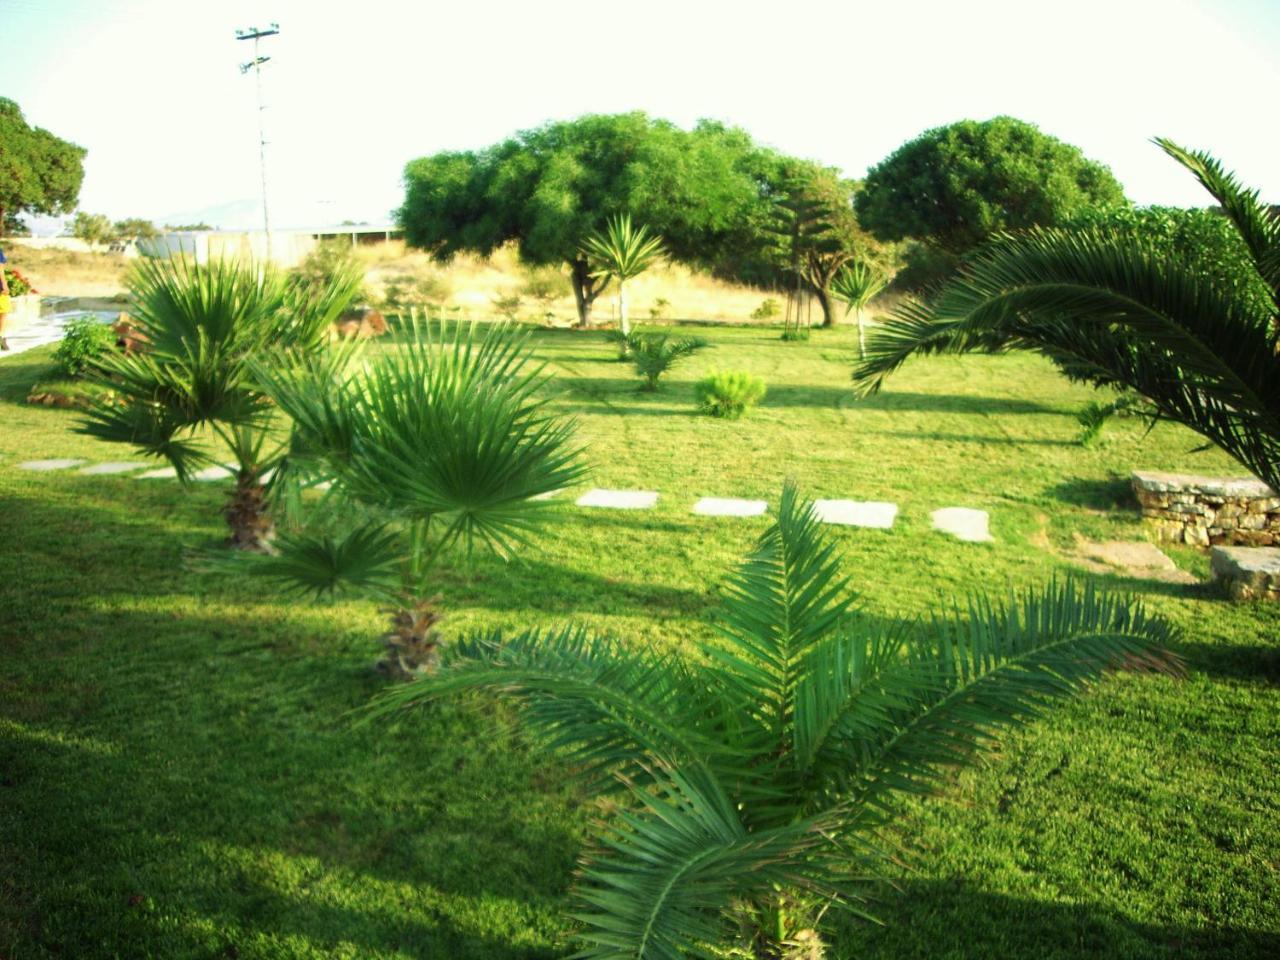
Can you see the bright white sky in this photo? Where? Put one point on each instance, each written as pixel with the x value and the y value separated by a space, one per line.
pixel 354 90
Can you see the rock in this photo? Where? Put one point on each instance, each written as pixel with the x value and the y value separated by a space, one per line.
pixel 855 513
pixel 1248 573
pixel 962 523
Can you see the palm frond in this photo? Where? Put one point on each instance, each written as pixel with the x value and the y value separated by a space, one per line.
pixel 666 876
pixel 653 354
pixel 622 250
pixel 857 284
pixel 1253 219
pixel 975 673
pixel 364 560
pixel 1107 309
pixel 610 709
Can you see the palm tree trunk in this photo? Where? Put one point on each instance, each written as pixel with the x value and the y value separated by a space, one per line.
pixel 413 643
pixel 623 323
pixel 860 314
pixel 247 515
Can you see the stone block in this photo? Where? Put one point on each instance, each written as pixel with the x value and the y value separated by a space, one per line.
pixel 1248 573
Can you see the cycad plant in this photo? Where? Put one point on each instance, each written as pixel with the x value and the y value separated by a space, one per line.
pixel 199 326
pixel 622 251
pixel 754 775
pixel 442 440
pixel 1109 308
pixel 655 353
pixel 856 286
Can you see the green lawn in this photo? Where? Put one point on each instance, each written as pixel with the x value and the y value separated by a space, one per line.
pixel 179 776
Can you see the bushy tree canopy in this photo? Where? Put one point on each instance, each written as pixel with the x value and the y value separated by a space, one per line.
pixel 549 188
pixel 39 172
pixel 957 185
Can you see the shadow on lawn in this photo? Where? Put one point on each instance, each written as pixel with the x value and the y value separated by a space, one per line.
pixel 1114 493
pixel 954 919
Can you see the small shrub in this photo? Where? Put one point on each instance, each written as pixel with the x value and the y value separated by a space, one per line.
pixel 86 339
pixel 543 284
pixel 661 309
pixel 729 393
pixel 508 306
pixel 655 353
pixel 406 290
pixel 323 263
pixel 768 309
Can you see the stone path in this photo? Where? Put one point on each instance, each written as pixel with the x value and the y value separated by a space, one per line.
pixel 854 513
pixel 961 522
pixel 1140 560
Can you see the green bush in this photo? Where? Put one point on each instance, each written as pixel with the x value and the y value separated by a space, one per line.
pixel 729 393
pixel 655 353
pixel 768 309
pixel 410 290
pixel 86 339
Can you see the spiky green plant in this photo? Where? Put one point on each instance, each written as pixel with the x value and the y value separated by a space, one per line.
pixel 622 251
pixel 199 326
pixel 655 353
pixel 728 393
pixel 856 285
pixel 444 439
pixel 756 773
pixel 1109 308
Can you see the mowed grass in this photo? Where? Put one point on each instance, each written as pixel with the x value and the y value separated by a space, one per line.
pixel 181 776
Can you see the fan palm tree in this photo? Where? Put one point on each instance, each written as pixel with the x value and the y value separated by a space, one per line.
pixel 1108 308
pixel 756 773
pixel 444 439
pixel 199 326
pixel 622 251
pixel 856 286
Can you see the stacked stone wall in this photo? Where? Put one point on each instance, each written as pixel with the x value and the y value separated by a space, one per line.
pixel 1209 511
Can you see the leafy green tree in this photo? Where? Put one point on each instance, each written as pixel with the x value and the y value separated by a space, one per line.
pixel 621 251
pixel 443 440
pixel 1189 328
pixel 957 185
pixel 39 172
pixel 134 228
pixel 758 772
pixel 856 286
pixel 199 327
pixel 550 188
pixel 93 228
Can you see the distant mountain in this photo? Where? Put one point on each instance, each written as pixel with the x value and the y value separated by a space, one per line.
pixel 246 214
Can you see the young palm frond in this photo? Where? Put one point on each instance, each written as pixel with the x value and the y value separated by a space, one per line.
pixel 200 325
pixel 856 285
pixel 1108 309
pixel 655 353
pixel 622 251
pixel 446 438
pixel 758 771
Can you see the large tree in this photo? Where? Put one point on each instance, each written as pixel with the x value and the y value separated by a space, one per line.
pixel 39 172
pixel 957 185
pixel 550 188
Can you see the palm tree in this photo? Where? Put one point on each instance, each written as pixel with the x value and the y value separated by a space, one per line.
pixel 1108 308
pixel 856 286
pixel 199 326
pixel 444 439
pixel 757 772
pixel 622 251
pixel 655 353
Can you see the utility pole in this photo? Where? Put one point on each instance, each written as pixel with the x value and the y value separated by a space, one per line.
pixel 256 35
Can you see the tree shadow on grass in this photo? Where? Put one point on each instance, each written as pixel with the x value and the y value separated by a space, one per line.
pixel 984 439
pixel 1113 493
pixel 952 919
pixel 957 403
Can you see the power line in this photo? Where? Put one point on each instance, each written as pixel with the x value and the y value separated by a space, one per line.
pixel 256 35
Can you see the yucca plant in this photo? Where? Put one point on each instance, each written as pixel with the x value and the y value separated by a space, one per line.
pixel 653 354
pixel 622 251
pixel 1109 308
pixel 728 393
pixel 199 326
pixel 856 285
pixel 756 773
pixel 442 440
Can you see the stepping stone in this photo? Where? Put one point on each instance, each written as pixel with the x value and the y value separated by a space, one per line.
pixel 212 473
pixel 854 513
pixel 44 466
pixel 729 507
pixel 1141 560
pixel 121 466
pixel 164 473
pixel 962 523
pixel 619 499
pixel 549 495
